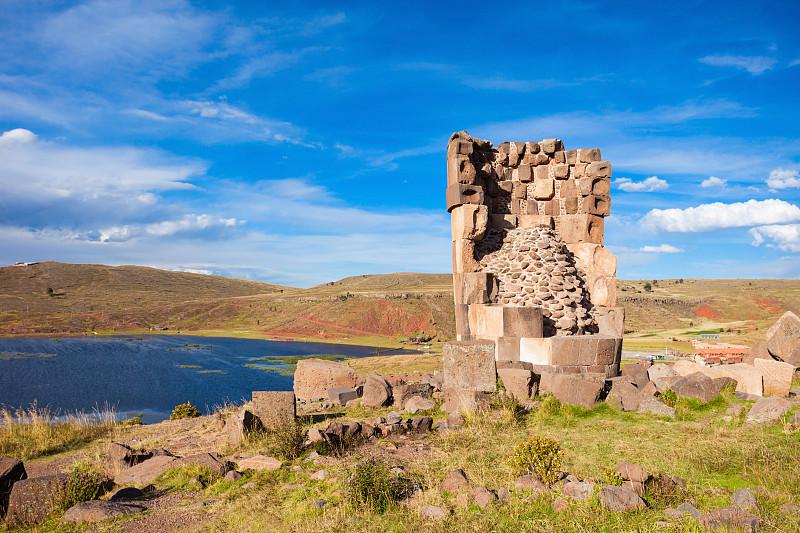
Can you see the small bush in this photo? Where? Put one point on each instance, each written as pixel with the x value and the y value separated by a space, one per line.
pixel 669 397
pixel 374 487
pixel 540 456
pixel 184 410
pixel 82 485
pixel 135 421
pixel 284 441
pixel 611 477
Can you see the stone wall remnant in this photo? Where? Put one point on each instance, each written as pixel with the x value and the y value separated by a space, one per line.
pixel 530 271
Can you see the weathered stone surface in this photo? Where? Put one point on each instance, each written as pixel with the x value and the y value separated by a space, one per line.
pixel 628 395
pixel 31 500
pixel 530 482
pixel 126 493
pixel 768 410
pixel 377 392
pixel 696 386
pixel 690 509
pixel 481 496
pixel 469 365
pixel 418 403
pixel 517 382
pixel 259 462
pixel 314 377
pixel 98 510
pixel 455 419
pixel 469 222
pixel 730 517
pixel 459 194
pixel 610 321
pixel 744 499
pixel 650 389
pixel 207 460
pixel 578 491
pixel 146 471
pixel 637 487
pixel 650 405
pixel 455 481
pixel 421 423
pixel 342 395
pixel 637 373
pixel 403 393
pixel 661 370
pixel 575 390
pixel 433 512
pixel 11 471
pixel 684 368
pixel 777 376
pixel 274 408
pixel 618 499
pixel 458 400
pixel 240 424
pixel 560 505
pixel 232 476
pixel 631 472
pixel 748 378
pixel 758 351
pixel 784 336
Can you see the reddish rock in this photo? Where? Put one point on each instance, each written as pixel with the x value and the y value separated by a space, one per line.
pixel 631 472
pixel 31 500
pixel 696 386
pixel 377 392
pixel 313 378
pixel 455 481
pixel 11 471
pixel 784 336
pixel 618 499
pixel 97 510
pixel 637 374
pixel 730 517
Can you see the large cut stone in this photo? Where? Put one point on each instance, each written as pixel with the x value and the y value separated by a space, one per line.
pixel 777 376
pixel 494 321
pixel 784 336
pixel 403 393
pixel 572 351
pixel 628 395
pixel 469 365
pixel 342 395
pixel 241 424
pixel 314 377
pixel 145 472
pixel 651 406
pixel 377 391
pixel 32 500
pixel 610 321
pixel 580 228
pixel 11 471
pixel 457 400
pixel 573 390
pixel 469 221
pixel 461 193
pixel 517 382
pixel 758 351
pixel 98 510
pixel 274 407
pixel 637 373
pixel 661 370
pixel 696 386
pixel 748 378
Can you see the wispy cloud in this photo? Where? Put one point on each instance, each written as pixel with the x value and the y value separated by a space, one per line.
pixel 716 216
pixel 755 65
pixel 661 249
pixel 651 184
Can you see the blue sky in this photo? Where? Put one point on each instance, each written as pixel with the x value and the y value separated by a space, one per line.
pixel 302 142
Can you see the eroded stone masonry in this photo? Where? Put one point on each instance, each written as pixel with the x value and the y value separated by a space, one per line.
pixel 530 270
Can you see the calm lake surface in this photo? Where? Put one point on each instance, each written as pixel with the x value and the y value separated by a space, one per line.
pixel 142 375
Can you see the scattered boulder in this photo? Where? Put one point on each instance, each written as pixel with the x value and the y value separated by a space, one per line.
pixel 768 410
pixel 433 512
pixel 637 373
pixel 207 460
pixel 690 509
pixel 394 418
pixel 560 505
pixel 319 475
pixel 377 392
pixel 455 481
pixel 673 513
pixel 418 403
pixel 578 491
pixel 313 378
pixel 575 390
pixel 784 336
pixel 145 472
pixel 403 393
pixel 421 423
pixel 626 394
pixel 241 424
pixel 744 499
pixel 259 462
pixel 619 499
pixel 631 472
pixel 342 395
pixel 650 389
pixel 31 500
pixel 661 370
pixel 731 517
pixel 232 476
pixel 634 486
pixel 469 365
pixel 530 482
pixel 455 419
pixel 758 351
pixel 126 493
pixel 777 376
pixel 98 510
pixel 696 386
pixel 517 382
pixel 652 406
pixel 11 471
pixel 481 496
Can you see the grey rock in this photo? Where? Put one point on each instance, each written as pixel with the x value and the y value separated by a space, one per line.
pixel 690 509
pixel 393 418
pixel 650 405
pixel 530 482
pixel 455 481
pixel 11 471
pixel 578 491
pixel 418 403
pixel 768 410
pixel 433 512
pixel 97 510
pixel 673 513
pixel 730 517
pixel 696 386
pixel 744 499
pixel 377 392
pixel 661 370
pixel 618 499
pixel 481 496
pixel 31 500
pixel 631 472
pixel 319 504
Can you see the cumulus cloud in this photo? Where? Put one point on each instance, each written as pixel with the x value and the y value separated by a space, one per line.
pixel 755 65
pixel 661 249
pixel 783 236
pixel 713 181
pixel 651 184
pixel 783 179
pixel 709 217
pixel 185 224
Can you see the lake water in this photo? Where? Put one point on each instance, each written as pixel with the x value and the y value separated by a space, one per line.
pixel 142 375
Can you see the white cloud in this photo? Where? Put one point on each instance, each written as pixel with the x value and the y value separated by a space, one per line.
pixel 794 63
pixel 709 217
pixel 185 224
pixel 783 179
pixel 661 249
pixel 17 135
pixel 651 184
pixel 203 271
pixel 713 181
pixel 784 236
pixel 755 65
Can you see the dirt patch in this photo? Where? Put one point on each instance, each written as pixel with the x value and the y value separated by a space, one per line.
pixel 706 311
pixel 768 304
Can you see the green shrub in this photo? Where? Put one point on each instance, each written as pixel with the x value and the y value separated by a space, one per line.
pixel 83 484
pixel 184 410
pixel 669 397
pixel 135 421
pixel 285 441
pixel 374 487
pixel 540 456
pixel 611 477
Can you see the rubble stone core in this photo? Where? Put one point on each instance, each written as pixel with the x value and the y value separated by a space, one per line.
pixel 529 266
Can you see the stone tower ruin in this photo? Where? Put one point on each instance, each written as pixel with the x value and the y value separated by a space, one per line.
pixel 530 271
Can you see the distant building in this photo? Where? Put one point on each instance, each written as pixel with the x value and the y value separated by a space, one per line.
pixel 721 353
pixel 709 336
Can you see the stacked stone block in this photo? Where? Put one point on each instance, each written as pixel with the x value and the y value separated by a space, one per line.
pixel 529 266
